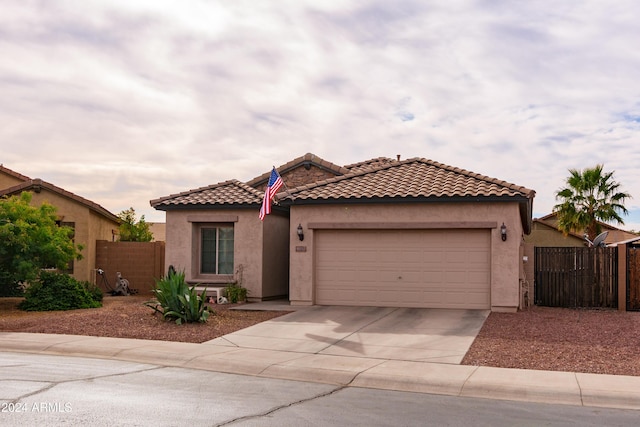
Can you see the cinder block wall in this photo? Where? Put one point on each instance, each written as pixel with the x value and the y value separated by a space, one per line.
pixel 138 262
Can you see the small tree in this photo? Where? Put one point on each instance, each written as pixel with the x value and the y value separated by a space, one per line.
pixel 132 231
pixel 30 240
pixel 590 196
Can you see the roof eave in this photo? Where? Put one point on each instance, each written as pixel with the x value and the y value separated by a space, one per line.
pixel 203 206
pixel 368 200
pixel 525 203
pixel 36 185
pixel 237 206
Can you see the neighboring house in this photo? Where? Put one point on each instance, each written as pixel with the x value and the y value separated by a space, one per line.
pixel 159 231
pixel 545 233
pixel 633 242
pixel 384 232
pixel 90 221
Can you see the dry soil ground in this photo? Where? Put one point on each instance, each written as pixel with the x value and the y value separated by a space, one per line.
pixel 127 317
pixel 556 339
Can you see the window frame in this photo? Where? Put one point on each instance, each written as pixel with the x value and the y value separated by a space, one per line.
pixel 197 264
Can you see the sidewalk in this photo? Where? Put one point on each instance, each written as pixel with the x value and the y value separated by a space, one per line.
pixel 422 377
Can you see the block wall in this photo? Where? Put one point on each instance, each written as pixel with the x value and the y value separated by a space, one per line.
pixel 141 263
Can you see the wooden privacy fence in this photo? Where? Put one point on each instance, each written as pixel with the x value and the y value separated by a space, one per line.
pixel 633 278
pixel 576 277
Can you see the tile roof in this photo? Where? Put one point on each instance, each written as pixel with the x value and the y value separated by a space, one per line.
pixel 615 234
pixel 37 185
pixel 307 159
pixel 232 192
pixel 379 180
pixel 13 173
pixel 408 179
pixel 369 164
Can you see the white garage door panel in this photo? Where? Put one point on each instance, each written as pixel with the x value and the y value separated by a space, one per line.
pixel 403 268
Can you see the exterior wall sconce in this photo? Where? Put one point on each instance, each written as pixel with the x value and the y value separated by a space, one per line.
pixel 300 232
pixel 503 232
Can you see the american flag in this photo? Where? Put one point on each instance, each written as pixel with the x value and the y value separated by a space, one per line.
pixel 275 182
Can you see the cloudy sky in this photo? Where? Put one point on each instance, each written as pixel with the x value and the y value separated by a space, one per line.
pixel 124 101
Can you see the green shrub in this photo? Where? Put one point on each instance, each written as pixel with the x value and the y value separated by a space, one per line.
pixel 57 291
pixel 9 287
pixel 177 301
pixel 236 293
pixel 94 291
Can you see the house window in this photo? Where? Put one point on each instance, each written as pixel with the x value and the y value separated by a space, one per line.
pixel 216 249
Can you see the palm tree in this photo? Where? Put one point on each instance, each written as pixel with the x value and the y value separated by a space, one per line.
pixel 590 196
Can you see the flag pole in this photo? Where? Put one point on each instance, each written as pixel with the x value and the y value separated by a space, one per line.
pixel 285 185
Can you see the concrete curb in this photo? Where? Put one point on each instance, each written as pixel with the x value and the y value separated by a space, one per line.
pixel 422 377
pixel 524 385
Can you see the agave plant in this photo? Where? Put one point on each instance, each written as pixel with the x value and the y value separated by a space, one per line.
pixel 176 300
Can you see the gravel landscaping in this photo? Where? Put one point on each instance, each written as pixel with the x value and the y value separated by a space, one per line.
pixel 555 339
pixel 560 339
pixel 128 317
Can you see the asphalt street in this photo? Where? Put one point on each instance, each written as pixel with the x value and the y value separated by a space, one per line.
pixel 52 390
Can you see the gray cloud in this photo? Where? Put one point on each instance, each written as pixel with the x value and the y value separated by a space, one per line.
pixel 122 102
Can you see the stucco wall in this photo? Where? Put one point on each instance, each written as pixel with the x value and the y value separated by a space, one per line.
pixel 159 231
pixel 248 245
pixel 506 257
pixel 543 235
pixel 275 274
pixel 7 181
pixel 527 278
pixel 89 227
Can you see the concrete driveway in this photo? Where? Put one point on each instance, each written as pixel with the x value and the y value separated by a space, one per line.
pixel 408 334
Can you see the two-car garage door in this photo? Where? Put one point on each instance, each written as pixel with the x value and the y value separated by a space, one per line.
pixel 403 268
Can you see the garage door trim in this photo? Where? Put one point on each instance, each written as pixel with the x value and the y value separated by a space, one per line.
pixel 410 269
pixel 401 225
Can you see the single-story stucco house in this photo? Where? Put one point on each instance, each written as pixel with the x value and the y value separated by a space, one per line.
pixel 545 233
pixel 90 221
pixel 384 232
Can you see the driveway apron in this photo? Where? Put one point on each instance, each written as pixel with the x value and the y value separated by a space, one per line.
pixel 409 334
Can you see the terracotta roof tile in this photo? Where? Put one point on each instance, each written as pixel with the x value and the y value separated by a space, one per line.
pixel 369 164
pixel 411 178
pixel 13 173
pixel 232 192
pixel 380 178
